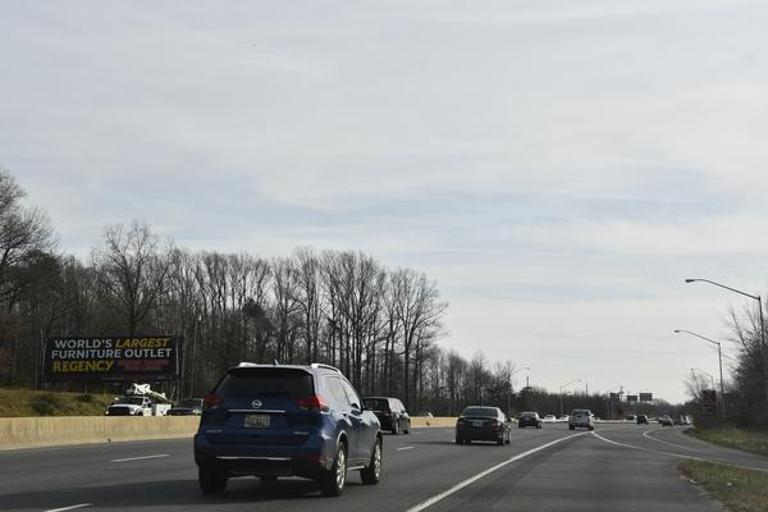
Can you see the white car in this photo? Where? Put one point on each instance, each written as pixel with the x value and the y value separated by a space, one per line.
pixel 549 418
pixel 582 418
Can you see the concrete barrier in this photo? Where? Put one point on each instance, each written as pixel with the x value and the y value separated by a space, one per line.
pixel 422 422
pixel 16 433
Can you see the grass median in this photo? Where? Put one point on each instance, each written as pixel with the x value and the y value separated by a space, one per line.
pixel 753 441
pixel 740 490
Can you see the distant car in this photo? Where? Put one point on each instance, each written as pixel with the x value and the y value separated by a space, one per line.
pixel 284 420
pixel 564 418
pixel 581 418
pixel 630 417
pixel 642 419
pixel 666 421
pixel 549 418
pixel 187 407
pixel 529 419
pixel 391 413
pixel 482 423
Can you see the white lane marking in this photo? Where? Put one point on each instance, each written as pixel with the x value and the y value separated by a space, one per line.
pixel 647 435
pixel 439 497
pixel 404 448
pixel 73 507
pixel 678 455
pixel 141 458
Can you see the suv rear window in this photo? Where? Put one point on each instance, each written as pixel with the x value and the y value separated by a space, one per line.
pixel 251 382
pixel 376 404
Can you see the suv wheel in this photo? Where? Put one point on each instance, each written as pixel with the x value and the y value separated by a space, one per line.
pixel 459 440
pixel 408 428
pixel 591 427
pixel 372 474
pixel 395 426
pixel 211 481
pixel 332 482
pixel 571 427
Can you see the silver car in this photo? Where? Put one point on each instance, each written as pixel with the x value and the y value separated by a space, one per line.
pixel 582 418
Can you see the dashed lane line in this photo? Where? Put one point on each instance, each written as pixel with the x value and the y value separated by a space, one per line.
pixel 128 459
pixel 71 507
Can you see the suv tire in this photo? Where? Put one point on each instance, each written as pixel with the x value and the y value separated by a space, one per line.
pixel 591 427
pixel 395 426
pixel 372 474
pixel 211 480
pixel 332 482
pixel 408 428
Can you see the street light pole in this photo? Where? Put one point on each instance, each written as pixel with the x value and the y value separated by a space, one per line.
pixel 562 405
pixel 719 361
pixel 759 300
pixel 753 297
pixel 711 377
pixel 509 395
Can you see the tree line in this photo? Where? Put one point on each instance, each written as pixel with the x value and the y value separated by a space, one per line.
pixel 380 326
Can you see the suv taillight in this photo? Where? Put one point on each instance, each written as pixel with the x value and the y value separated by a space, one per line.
pixel 211 400
pixel 314 403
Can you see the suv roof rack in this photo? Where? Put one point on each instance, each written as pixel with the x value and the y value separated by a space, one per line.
pixel 246 364
pixel 325 366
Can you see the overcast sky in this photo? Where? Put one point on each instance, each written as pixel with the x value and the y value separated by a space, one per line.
pixel 558 166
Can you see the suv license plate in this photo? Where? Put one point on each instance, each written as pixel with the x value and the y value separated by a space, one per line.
pixel 257 420
pixel 477 423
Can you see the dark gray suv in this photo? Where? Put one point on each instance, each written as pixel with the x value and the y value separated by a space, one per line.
pixel 278 420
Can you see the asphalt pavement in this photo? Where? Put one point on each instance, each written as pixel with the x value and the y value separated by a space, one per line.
pixel 618 467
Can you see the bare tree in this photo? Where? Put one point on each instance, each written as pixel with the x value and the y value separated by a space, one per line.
pixel 132 272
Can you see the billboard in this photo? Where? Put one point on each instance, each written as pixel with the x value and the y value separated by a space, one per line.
pixel 646 397
pixel 119 358
pixel 631 398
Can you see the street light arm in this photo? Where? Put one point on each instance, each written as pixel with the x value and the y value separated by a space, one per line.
pixel 566 385
pixel 519 370
pixel 708 340
pixel 755 297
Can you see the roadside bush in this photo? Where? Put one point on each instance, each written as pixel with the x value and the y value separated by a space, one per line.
pixel 47 405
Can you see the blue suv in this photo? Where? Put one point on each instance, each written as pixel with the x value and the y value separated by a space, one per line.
pixel 279 420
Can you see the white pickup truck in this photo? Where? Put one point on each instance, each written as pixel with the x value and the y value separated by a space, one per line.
pixel 137 406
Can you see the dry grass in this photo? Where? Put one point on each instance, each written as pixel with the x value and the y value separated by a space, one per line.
pixel 748 440
pixel 740 490
pixel 25 402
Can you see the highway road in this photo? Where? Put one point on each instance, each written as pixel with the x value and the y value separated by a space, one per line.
pixel 618 467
